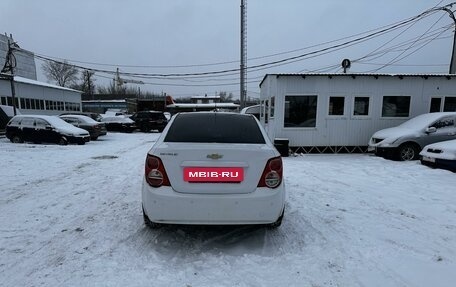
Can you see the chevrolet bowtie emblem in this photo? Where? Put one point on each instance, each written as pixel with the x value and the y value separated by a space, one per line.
pixel 214 156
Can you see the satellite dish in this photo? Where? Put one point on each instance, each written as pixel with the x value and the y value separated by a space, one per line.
pixel 346 64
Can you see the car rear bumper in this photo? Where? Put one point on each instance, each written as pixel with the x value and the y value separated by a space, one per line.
pixel 78 140
pixel 101 132
pixel 439 163
pixel 164 205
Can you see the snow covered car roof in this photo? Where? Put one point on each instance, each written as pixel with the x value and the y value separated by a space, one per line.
pixel 117 119
pixel 81 117
pixel 422 121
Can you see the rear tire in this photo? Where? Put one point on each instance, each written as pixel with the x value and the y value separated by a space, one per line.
pixel 63 141
pixel 278 221
pixel 144 128
pixel 148 223
pixel 94 138
pixel 17 139
pixel 407 152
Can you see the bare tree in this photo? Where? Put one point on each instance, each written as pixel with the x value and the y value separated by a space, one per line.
pixel 62 73
pixel 111 89
pixel 88 87
pixel 224 97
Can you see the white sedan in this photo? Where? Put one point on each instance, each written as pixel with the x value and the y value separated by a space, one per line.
pixel 213 168
pixel 441 155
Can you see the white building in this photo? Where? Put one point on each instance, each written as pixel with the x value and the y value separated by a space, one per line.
pixel 34 97
pixel 340 112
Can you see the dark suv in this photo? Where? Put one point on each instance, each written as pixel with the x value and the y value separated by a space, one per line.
pixel 150 120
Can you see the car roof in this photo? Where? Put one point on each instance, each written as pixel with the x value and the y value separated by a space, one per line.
pixel 205 113
pixel 155 112
pixel 425 119
pixel 44 117
pixel 83 117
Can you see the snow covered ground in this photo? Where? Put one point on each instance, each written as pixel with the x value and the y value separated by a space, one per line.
pixel 71 216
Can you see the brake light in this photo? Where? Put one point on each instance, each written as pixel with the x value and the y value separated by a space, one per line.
pixel 272 174
pixel 155 172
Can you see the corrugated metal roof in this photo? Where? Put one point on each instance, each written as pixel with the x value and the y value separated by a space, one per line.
pixel 36 83
pixel 42 84
pixel 352 75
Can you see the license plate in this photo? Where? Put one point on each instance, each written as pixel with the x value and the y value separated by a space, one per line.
pixel 429 159
pixel 213 174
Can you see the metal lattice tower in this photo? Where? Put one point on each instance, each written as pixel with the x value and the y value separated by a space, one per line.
pixel 243 68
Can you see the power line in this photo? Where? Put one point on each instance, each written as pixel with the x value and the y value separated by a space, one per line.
pixel 412 44
pixel 217 75
pixel 235 61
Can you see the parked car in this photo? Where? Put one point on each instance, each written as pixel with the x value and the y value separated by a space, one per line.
pixel 150 120
pixel 95 116
pixel 405 141
pixel 440 155
pixel 213 168
pixel 119 124
pixel 38 129
pixel 94 128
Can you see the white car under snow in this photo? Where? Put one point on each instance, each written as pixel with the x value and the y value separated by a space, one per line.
pixel 441 155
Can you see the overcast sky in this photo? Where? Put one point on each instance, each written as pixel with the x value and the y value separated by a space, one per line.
pixel 201 34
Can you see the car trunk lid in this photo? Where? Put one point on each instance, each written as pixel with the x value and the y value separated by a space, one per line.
pixel 213 168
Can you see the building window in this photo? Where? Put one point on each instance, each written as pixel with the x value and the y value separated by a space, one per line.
pixel 435 105
pixel 266 111
pixel 3 99
pixel 450 104
pixel 396 106
pixel 272 107
pixel 361 106
pixel 22 103
pixel 336 106
pixel 300 111
pixel 9 101
pixel 261 109
pixel 75 107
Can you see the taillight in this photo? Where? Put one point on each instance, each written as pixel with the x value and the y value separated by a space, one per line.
pixel 155 172
pixel 272 174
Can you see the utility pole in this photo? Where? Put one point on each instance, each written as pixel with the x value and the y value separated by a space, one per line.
pixel 453 54
pixel 10 64
pixel 243 67
pixel 88 81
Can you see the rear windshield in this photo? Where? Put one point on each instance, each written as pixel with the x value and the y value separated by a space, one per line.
pixel 214 128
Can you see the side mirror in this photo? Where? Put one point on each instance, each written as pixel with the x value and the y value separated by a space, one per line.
pixel 431 130
pixel 49 127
